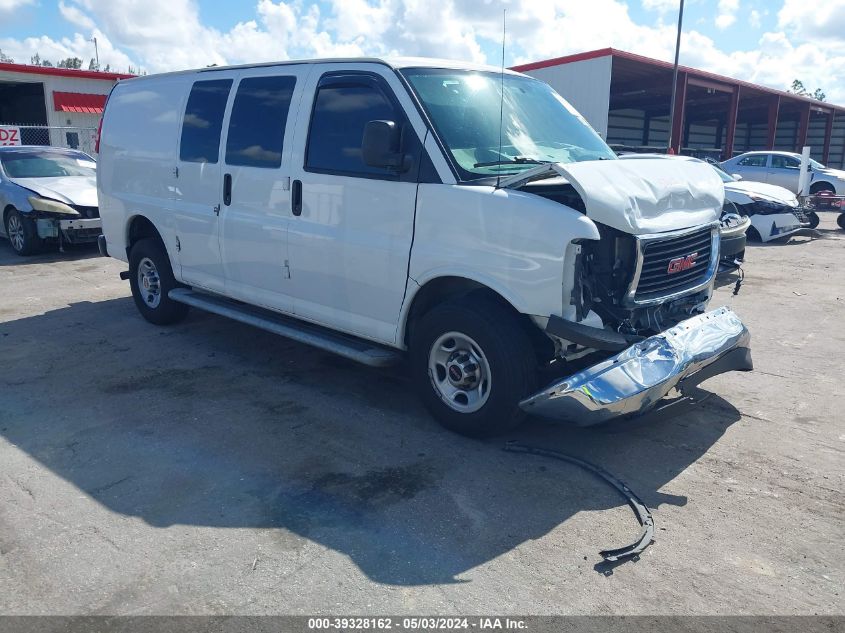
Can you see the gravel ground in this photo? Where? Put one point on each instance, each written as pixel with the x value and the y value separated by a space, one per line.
pixel 212 468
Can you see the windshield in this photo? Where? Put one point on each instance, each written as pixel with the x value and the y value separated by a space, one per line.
pixel 726 177
pixel 816 164
pixel 538 125
pixel 29 163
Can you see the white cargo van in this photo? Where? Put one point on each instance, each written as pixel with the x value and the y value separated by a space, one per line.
pixel 467 217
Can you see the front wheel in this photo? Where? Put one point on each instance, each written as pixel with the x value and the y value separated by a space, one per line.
pixel 472 363
pixel 22 233
pixel 151 279
pixel 841 221
pixel 813 219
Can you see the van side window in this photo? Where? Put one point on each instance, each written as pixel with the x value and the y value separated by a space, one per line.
pixel 337 127
pixel 203 121
pixel 257 123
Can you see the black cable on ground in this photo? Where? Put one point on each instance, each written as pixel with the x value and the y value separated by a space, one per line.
pixel 640 509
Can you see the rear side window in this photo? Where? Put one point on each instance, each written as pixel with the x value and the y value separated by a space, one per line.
pixel 337 127
pixel 758 160
pixel 203 121
pixel 257 123
pixel 785 162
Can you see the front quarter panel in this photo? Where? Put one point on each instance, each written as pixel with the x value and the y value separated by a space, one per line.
pixel 512 242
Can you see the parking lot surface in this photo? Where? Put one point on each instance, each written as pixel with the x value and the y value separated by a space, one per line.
pixel 213 468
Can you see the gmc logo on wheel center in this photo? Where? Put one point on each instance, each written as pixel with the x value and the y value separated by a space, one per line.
pixel 681 263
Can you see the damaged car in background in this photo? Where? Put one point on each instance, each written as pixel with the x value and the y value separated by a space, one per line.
pixel 47 194
pixel 733 224
pixel 474 222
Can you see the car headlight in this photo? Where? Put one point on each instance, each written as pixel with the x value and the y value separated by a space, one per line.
pixel 45 205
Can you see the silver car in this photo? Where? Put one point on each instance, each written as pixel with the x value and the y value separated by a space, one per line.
pixel 47 194
pixel 783 169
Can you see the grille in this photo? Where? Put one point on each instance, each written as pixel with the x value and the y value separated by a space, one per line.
pixel 87 212
pixel 801 214
pixel 655 279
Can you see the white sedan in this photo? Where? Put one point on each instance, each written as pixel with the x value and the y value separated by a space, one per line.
pixel 782 169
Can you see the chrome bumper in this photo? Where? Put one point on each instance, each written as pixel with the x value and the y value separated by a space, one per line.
pixel 635 379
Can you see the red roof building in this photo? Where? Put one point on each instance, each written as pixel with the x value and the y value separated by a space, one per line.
pixel 626 97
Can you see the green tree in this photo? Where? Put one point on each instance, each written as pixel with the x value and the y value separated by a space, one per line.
pixel 799 89
pixel 71 62
pixel 5 58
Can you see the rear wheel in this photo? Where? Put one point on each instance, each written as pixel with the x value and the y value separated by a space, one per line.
pixel 151 279
pixel 841 221
pixel 472 363
pixel 822 186
pixel 22 233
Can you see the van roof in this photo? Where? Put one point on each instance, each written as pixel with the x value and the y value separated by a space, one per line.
pixel 393 62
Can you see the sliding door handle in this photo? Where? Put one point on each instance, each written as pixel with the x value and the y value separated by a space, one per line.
pixel 227 189
pixel 296 197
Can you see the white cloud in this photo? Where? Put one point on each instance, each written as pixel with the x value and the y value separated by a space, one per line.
pixel 661 6
pixel 755 19
pixel 726 13
pixel 75 16
pixel 7 6
pixel 815 21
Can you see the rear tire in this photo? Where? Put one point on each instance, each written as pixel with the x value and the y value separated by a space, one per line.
pixel 472 363
pixel 22 233
pixel 841 221
pixel 822 186
pixel 151 279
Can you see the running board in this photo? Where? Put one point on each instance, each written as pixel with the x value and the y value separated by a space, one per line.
pixel 347 346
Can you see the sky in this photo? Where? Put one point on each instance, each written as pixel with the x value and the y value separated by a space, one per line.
pixel 765 41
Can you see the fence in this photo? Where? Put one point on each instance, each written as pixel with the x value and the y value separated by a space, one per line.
pixel 81 138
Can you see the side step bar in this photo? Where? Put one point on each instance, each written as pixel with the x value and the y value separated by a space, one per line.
pixel 347 346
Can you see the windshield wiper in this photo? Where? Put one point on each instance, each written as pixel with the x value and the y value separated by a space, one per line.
pixel 516 160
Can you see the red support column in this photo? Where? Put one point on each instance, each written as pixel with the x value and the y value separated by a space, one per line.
pixel 803 127
pixel 774 106
pixel 828 130
pixel 676 120
pixel 733 110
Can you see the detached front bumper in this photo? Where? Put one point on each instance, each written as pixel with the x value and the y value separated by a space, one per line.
pixel 635 379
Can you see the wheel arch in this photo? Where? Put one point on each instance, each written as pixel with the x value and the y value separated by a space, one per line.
pixel 437 290
pixel 139 227
pixel 823 185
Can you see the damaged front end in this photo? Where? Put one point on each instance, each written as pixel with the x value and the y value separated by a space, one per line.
pixel 639 292
pixel 635 379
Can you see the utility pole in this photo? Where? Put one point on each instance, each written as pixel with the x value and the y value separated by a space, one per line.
pixel 675 76
pixel 96 52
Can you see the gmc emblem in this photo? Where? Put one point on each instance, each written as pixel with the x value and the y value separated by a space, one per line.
pixel 681 263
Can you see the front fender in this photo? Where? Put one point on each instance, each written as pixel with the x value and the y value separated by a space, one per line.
pixel 510 241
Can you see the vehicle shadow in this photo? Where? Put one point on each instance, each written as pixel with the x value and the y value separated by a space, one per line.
pixel 212 423
pixel 48 254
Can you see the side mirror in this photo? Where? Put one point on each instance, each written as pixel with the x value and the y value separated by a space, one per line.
pixel 737 176
pixel 381 145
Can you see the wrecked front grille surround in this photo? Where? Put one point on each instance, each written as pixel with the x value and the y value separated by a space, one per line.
pixel 634 297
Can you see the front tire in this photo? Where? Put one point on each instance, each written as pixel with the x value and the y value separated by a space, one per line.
pixel 813 218
pixel 151 279
pixel 472 363
pixel 841 221
pixel 22 233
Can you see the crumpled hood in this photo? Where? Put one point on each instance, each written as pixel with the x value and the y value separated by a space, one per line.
pixel 763 190
pixel 641 196
pixel 78 190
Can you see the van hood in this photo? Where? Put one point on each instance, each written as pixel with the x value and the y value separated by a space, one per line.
pixel 76 190
pixel 638 196
pixel 763 190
